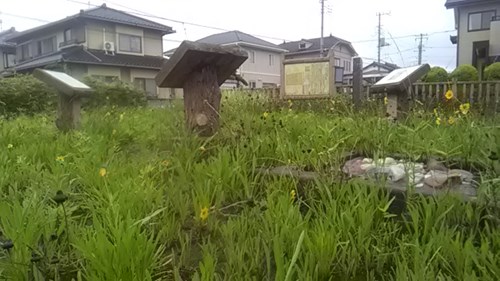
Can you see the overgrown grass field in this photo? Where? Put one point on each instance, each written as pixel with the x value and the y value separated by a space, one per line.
pixel 142 199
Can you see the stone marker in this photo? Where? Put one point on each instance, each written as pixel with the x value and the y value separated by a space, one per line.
pixel 70 93
pixel 396 84
pixel 200 69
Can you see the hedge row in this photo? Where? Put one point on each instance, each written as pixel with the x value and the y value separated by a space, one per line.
pixel 465 72
pixel 24 94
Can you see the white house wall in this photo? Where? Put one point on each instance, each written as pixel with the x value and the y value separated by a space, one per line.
pixel 467 38
pixel 104 71
pixel 260 71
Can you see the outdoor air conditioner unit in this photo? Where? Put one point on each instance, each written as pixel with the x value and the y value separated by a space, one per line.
pixel 109 47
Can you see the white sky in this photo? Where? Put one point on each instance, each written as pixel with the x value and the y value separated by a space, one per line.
pixel 352 20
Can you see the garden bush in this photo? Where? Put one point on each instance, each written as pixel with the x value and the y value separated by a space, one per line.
pixel 465 72
pixel 24 94
pixel 492 72
pixel 436 74
pixel 117 93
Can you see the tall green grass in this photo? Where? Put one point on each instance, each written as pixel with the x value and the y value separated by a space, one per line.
pixel 143 219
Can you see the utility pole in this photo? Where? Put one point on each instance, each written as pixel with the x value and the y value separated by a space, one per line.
pixel 321 43
pixel 420 48
pixel 381 43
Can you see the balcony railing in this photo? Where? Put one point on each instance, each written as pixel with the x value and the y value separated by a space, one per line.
pixel 70 43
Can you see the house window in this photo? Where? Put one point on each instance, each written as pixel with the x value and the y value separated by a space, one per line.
pixel 67 35
pixel 45 46
pixel 105 78
pixel 347 66
pixel 8 60
pixel 252 84
pixel 251 56
pixel 271 59
pixel 130 43
pixel 337 62
pixel 25 52
pixel 147 85
pixel 481 20
pixel 302 46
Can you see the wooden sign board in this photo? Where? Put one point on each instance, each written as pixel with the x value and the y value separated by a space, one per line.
pixel 307 78
pixel 396 85
pixel 191 57
pixel 400 79
pixel 62 82
pixel 200 69
pixel 70 93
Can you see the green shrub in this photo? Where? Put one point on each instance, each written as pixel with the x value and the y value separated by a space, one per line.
pixel 24 94
pixel 492 72
pixel 436 74
pixel 116 93
pixel 465 72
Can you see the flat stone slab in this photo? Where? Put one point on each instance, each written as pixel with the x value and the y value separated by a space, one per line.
pixel 62 82
pixel 467 191
pixel 191 57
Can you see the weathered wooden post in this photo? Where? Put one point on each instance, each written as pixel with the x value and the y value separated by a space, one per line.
pixel 70 93
pixel 396 85
pixel 357 82
pixel 200 69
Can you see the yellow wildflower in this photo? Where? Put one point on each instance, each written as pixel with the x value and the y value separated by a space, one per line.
pixel 202 148
pixel 10 146
pixel 293 195
pixel 386 100
pixel 103 172
pixel 60 159
pixel 265 114
pixel 449 95
pixel 451 120
pixel 438 121
pixel 464 108
pixel 204 213
pixel 436 112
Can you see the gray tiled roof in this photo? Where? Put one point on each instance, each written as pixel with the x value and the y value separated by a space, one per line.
pixel 80 55
pixel 107 14
pixel 455 3
pixel 102 13
pixel 328 42
pixel 5 35
pixel 236 37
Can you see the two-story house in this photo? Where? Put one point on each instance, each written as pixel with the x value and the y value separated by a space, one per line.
pixel 262 69
pixel 100 42
pixel 7 51
pixel 310 48
pixel 373 72
pixel 478 31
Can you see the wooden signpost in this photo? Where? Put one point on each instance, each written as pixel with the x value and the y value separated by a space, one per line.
pixel 70 93
pixel 308 78
pixel 200 69
pixel 396 85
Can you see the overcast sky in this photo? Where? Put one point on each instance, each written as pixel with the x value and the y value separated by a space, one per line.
pixel 352 20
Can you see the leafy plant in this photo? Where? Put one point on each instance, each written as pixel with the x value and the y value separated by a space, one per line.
pixel 492 72
pixel 24 94
pixel 436 74
pixel 465 72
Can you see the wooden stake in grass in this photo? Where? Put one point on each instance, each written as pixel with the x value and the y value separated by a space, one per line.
pixel 199 69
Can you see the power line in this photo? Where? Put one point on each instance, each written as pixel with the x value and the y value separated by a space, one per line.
pixel 24 17
pixel 397 47
pixel 134 12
